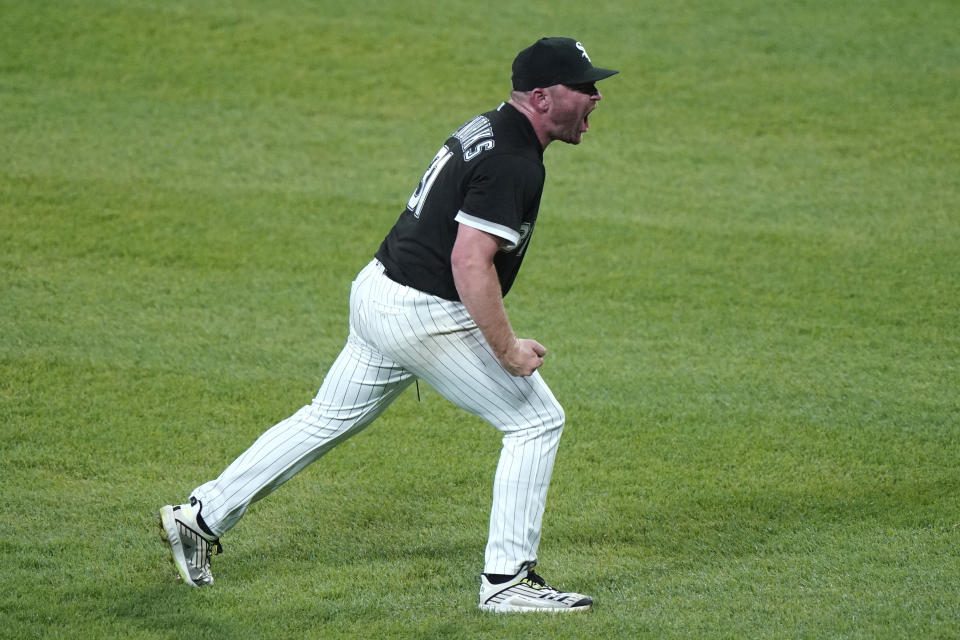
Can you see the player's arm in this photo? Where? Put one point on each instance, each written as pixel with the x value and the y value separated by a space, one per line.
pixel 476 279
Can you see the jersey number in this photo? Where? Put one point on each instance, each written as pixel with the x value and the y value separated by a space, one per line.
pixel 415 203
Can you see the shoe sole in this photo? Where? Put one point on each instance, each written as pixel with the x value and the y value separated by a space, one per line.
pixel 170 535
pixel 509 608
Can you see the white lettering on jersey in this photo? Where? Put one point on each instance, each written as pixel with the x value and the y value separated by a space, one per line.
pixel 475 137
pixel 415 203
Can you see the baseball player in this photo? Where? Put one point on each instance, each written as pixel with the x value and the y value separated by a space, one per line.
pixel 429 306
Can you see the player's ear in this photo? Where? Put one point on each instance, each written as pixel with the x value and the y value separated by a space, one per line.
pixel 540 100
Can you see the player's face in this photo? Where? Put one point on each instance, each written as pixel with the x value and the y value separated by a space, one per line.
pixel 570 110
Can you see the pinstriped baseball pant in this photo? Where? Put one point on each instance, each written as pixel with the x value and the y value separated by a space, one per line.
pixel 398 334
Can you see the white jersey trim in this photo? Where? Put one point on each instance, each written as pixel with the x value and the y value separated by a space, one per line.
pixel 499 230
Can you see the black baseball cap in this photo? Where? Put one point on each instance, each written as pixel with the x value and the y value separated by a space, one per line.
pixel 550 61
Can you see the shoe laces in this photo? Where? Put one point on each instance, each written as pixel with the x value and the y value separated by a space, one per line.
pixel 536 579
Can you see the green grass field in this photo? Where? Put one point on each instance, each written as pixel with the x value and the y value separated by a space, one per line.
pixel 748 277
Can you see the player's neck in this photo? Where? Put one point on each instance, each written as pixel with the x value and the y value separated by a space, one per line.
pixel 520 102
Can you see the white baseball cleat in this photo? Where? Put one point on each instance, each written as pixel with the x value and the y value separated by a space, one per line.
pixel 528 592
pixel 190 550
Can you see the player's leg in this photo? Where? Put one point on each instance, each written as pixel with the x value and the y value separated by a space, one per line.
pixel 361 383
pixel 460 364
pixel 358 387
pixel 531 420
pixel 438 341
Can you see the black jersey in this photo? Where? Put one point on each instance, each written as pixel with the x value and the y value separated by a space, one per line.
pixel 489 175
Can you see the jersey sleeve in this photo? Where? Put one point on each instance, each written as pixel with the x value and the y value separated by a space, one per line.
pixel 500 191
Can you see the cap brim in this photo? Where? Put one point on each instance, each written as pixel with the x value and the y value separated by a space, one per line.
pixel 593 74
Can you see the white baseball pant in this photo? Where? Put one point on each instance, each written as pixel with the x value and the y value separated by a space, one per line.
pixel 398 334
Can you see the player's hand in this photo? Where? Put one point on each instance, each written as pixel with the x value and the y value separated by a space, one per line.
pixel 523 357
